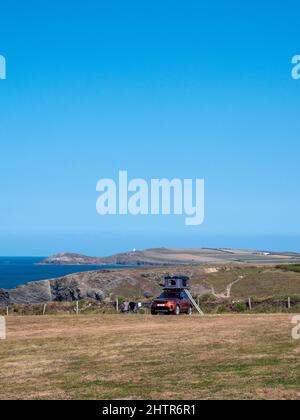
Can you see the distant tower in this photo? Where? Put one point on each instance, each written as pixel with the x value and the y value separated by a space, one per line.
pixel 134 250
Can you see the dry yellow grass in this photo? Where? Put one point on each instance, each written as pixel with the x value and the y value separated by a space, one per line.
pixel 144 357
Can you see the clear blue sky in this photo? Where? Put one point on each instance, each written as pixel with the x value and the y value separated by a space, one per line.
pixel 162 89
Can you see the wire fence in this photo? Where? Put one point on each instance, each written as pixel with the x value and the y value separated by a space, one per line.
pixel 207 304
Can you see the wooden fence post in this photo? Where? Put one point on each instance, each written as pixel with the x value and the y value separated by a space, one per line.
pixel 250 304
pixel 77 307
pixel 289 303
pixel 44 309
pixel 7 311
pixel 117 304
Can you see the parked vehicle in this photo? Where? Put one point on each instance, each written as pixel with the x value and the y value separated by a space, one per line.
pixel 172 302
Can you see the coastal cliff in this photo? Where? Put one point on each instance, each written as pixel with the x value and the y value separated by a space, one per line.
pixel 134 258
pixel 175 256
pixel 95 285
pixel 225 269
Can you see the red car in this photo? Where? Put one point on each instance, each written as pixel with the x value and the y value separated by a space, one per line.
pixel 171 302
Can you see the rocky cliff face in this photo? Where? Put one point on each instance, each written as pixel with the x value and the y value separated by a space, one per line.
pixel 4 298
pixel 93 285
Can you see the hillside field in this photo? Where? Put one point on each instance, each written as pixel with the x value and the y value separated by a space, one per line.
pixel 259 282
pixel 144 357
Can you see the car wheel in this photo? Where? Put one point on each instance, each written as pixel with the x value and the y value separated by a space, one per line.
pixel 190 311
pixel 177 310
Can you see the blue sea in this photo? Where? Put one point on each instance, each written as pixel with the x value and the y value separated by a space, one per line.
pixel 20 270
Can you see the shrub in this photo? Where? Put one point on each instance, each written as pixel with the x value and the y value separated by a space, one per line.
pixel 240 307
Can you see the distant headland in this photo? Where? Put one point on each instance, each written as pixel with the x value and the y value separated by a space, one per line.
pixel 176 256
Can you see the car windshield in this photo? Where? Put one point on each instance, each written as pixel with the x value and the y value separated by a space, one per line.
pixel 169 295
